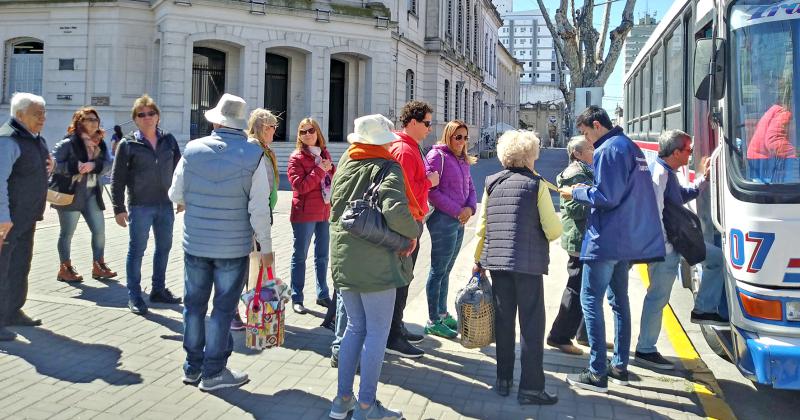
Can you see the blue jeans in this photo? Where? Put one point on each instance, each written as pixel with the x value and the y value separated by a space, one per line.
pixel 302 240
pixel 446 237
pixel 662 275
pixel 68 219
pixel 599 276
pixel 208 349
pixel 161 218
pixel 712 283
pixel 365 341
pixel 340 326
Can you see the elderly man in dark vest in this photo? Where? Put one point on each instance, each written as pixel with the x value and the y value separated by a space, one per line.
pixel 24 166
pixel 221 182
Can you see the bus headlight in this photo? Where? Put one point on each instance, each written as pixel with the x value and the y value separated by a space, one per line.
pixel 793 311
pixel 762 308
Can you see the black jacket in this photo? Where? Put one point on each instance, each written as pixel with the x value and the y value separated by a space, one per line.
pixel 146 173
pixel 27 183
pixel 67 153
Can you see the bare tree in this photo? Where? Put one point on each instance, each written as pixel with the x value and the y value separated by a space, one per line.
pixel 580 46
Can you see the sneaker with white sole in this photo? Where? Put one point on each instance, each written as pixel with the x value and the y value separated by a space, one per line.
pixel 340 407
pixel 376 411
pixel 653 360
pixel 191 378
pixel 225 379
pixel 588 380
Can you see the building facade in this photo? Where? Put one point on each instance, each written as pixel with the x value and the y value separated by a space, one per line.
pixel 332 60
pixel 637 37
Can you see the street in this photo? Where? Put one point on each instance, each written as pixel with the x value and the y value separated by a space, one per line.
pixel 92 358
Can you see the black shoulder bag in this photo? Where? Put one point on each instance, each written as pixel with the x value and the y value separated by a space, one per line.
pixel 684 232
pixel 363 217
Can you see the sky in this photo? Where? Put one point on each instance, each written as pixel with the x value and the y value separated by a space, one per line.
pixel 614 85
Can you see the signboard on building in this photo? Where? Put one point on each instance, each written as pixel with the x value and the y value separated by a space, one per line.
pixel 101 101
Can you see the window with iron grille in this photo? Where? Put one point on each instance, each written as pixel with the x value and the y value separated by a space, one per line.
pixel 466 101
pixel 469 25
pixel 457 110
pixel 412 6
pixel 449 31
pixel 447 100
pixel 460 34
pixel 409 85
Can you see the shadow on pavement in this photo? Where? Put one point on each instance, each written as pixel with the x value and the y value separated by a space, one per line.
pixel 70 360
pixel 283 404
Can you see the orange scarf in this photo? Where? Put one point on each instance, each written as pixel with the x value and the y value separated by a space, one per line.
pixel 359 151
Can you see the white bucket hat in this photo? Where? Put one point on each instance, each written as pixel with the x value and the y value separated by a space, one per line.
pixel 372 129
pixel 231 111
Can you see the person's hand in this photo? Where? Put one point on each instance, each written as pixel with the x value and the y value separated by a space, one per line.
pixel 477 269
pixel 5 227
pixel 566 192
pixel 410 250
pixel 85 167
pixel 267 259
pixel 326 165
pixel 705 166
pixel 122 219
pixel 464 215
pixel 51 164
pixel 433 177
pixel 180 208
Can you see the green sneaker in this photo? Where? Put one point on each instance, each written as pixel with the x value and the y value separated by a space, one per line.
pixel 450 322
pixel 438 328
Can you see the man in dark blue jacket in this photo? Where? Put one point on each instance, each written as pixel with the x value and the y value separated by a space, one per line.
pixel 623 228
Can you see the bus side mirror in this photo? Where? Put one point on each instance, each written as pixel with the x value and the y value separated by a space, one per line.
pixel 704 49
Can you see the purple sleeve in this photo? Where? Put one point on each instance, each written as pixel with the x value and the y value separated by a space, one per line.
pixel 432 161
pixel 472 199
pixel 443 203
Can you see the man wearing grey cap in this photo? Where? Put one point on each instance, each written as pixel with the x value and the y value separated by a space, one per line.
pixel 221 182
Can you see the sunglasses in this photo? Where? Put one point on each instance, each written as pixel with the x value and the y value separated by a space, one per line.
pixel 690 150
pixel 460 137
pixel 427 123
pixel 147 114
pixel 91 119
pixel 311 130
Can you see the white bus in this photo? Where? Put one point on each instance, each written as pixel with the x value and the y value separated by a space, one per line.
pixel 723 71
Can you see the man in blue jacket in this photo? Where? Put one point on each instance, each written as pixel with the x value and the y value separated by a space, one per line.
pixel 623 228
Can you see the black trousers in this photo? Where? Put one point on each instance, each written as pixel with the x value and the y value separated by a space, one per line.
pixel 396 329
pixel 524 292
pixel 569 320
pixel 15 264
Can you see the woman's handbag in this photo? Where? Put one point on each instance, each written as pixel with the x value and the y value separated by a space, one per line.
pixel 266 310
pixel 475 309
pixel 363 217
pixel 60 195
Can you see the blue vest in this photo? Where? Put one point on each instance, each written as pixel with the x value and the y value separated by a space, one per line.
pixel 217 176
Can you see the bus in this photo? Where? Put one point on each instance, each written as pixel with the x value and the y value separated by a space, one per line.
pixel 723 71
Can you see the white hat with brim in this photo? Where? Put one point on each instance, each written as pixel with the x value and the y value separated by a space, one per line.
pixel 372 129
pixel 231 111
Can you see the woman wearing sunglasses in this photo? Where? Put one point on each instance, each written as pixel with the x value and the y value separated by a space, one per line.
pixel 81 159
pixel 454 203
pixel 310 172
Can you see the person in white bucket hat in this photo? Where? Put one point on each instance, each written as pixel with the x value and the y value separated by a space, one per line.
pixel 367 291
pixel 221 218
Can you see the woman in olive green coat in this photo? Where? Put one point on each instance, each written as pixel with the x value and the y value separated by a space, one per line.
pixel 367 275
pixel 573 219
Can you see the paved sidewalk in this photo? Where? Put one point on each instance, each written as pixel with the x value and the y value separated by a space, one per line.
pixel 94 359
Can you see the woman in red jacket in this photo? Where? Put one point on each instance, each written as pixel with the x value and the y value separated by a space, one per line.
pixel 310 173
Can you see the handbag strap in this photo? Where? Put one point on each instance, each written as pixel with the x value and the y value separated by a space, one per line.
pixel 256 302
pixel 371 194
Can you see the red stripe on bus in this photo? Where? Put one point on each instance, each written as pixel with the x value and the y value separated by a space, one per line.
pixel 647 145
pixel 794 263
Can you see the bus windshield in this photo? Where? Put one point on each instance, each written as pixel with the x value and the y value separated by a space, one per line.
pixel 764 45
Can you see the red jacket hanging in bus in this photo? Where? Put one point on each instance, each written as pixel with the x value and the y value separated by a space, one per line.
pixel 771 138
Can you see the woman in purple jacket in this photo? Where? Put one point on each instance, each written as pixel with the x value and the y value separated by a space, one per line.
pixel 454 202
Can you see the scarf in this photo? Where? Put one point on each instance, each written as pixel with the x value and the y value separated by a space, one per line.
pixel 273 194
pixel 360 151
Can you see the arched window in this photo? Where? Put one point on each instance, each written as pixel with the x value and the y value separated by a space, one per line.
pixel 457 110
pixel 485 113
pixel 466 102
pixel 446 100
pixel 25 62
pixel 475 107
pixel 494 116
pixel 476 49
pixel 409 85
pixel 486 52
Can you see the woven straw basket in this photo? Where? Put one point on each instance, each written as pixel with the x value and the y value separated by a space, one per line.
pixel 475 308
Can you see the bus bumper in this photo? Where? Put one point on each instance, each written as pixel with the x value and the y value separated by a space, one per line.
pixel 768 360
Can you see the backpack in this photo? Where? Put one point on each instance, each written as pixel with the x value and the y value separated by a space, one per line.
pixel 684 232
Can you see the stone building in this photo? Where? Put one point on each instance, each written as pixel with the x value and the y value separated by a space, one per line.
pixel 332 60
pixel 546 119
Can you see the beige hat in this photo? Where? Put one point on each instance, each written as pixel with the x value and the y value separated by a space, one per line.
pixel 372 129
pixel 231 111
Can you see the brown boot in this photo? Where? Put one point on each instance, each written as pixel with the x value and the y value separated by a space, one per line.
pixel 100 271
pixel 68 274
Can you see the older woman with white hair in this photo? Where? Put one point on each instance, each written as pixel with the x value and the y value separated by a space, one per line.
pixel 517 224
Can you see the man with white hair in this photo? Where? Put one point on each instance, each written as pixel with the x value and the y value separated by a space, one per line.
pixel 24 167
pixel 221 182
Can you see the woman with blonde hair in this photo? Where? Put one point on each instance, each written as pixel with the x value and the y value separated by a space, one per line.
pixel 261 127
pixel 454 202
pixel 517 224
pixel 81 159
pixel 310 172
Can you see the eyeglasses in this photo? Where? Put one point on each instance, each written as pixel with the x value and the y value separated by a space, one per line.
pixel 427 123
pixel 460 137
pixel 91 119
pixel 690 150
pixel 311 130
pixel 147 114
pixel 272 126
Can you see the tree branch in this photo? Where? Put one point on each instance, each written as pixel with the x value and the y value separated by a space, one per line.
pixel 603 32
pixel 617 38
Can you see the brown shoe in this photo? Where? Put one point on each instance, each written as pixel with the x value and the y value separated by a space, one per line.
pixel 566 348
pixel 100 271
pixel 68 274
pixel 609 346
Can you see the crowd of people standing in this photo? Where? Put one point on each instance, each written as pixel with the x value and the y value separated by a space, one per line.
pixel 226 185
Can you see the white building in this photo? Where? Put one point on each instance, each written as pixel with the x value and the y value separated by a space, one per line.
pixel 526 36
pixel 332 60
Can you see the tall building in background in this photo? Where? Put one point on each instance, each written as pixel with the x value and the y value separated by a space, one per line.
pixel 637 38
pixel 504 6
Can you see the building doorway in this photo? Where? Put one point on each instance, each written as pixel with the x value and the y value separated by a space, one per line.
pixel 276 91
pixel 208 85
pixel 336 104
